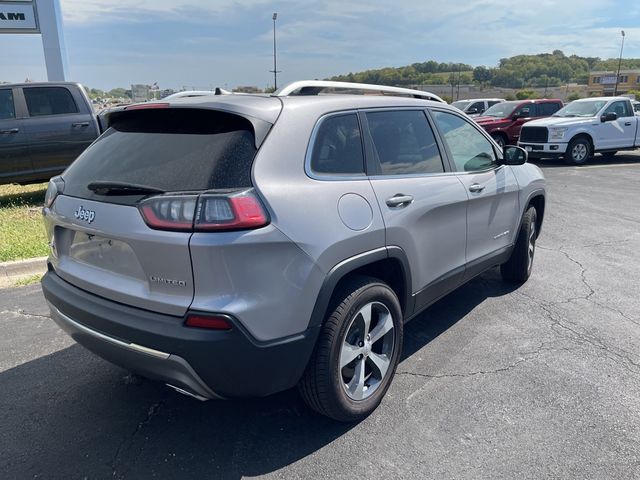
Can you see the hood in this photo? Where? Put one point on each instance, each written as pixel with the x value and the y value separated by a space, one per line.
pixel 490 120
pixel 559 121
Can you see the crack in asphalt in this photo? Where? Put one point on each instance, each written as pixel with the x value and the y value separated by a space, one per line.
pixel 527 356
pixel 35 315
pixel 582 337
pixel 583 273
pixel 152 412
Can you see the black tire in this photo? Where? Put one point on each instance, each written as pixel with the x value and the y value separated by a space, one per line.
pixel 609 155
pixel 323 385
pixel 578 151
pixel 518 268
pixel 499 139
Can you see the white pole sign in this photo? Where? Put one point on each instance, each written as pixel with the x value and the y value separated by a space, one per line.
pixel 39 16
pixel 18 17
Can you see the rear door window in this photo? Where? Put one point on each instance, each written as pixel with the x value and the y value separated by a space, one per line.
pixel 404 143
pixel 547 109
pixel 49 101
pixel 337 148
pixel 7 109
pixel 168 149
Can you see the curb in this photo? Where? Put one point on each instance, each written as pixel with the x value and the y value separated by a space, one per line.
pixel 22 268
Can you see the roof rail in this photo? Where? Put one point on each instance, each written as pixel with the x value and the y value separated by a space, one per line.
pixel 314 87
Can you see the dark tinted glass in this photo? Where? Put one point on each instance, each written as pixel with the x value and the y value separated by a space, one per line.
pixel 470 149
pixel 404 143
pixel 528 110
pixel 622 109
pixel 547 109
pixel 338 146
pixel 172 149
pixel 49 101
pixel 7 109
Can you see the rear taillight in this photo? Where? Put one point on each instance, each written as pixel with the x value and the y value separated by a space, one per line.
pixel 211 322
pixel 206 212
pixel 146 106
pixel 55 187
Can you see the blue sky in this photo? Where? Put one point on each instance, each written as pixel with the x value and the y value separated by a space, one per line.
pixel 205 43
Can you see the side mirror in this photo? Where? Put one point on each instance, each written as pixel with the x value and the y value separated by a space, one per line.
pixel 513 155
pixel 609 117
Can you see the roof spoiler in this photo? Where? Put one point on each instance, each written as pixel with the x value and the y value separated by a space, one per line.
pixel 316 87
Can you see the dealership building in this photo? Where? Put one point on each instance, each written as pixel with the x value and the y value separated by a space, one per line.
pixel 604 83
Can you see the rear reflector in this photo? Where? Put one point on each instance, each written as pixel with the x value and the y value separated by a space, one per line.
pixel 145 106
pixel 211 322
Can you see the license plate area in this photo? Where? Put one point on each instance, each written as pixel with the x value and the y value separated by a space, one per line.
pixel 101 252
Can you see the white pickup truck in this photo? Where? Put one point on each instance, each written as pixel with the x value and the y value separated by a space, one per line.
pixel 583 127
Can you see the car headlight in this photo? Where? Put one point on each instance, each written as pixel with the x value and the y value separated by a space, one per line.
pixel 557 133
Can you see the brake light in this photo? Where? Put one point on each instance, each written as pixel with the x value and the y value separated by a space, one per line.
pixel 211 322
pixel 206 212
pixel 54 188
pixel 145 106
pixel 216 212
pixel 169 212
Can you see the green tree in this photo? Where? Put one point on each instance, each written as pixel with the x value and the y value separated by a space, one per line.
pixel 526 94
pixel 573 96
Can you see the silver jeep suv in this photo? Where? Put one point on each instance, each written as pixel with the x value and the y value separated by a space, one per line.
pixel 239 245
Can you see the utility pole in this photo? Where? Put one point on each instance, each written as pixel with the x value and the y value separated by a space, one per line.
pixel 615 90
pixel 275 70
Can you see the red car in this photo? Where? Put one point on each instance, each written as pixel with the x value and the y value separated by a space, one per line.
pixel 503 121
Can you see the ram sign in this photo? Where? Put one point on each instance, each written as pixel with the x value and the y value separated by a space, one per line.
pixel 18 17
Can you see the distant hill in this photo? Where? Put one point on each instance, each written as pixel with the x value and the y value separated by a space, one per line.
pixel 541 70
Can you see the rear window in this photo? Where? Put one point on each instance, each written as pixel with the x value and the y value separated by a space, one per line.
pixel 169 149
pixel 547 109
pixel 49 101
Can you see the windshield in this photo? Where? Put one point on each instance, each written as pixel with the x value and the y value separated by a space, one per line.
pixel 581 109
pixel 501 110
pixel 462 104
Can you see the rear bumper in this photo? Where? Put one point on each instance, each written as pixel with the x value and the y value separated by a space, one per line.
pixel 204 363
pixel 544 150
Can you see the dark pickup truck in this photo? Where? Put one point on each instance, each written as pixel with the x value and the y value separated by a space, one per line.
pixel 43 128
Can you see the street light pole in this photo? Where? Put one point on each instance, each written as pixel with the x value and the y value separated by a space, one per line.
pixel 275 59
pixel 615 90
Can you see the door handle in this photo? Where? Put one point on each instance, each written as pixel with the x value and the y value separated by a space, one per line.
pixel 476 188
pixel 399 200
pixel 628 124
pixel 80 124
pixel 11 130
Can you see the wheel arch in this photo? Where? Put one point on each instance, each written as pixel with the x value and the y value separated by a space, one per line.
pixel 389 264
pixel 585 135
pixel 537 199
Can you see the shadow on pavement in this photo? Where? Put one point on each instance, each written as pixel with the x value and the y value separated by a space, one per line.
pixel 72 415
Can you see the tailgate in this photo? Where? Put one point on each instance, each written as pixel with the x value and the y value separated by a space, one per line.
pixel 107 249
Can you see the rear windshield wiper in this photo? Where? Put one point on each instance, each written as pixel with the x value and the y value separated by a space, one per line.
pixel 121 188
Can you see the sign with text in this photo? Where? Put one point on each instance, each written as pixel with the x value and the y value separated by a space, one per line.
pixel 18 17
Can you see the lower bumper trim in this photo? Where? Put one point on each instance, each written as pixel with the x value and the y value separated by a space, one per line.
pixel 148 362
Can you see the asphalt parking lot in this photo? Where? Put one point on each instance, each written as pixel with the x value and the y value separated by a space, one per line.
pixel 542 381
